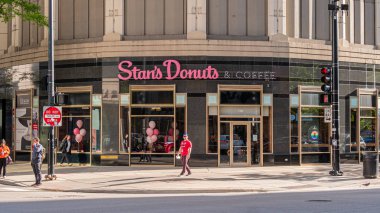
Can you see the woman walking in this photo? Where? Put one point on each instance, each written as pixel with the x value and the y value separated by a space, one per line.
pixel 66 150
pixel 4 153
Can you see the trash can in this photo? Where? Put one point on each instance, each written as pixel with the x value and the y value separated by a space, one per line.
pixel 370 165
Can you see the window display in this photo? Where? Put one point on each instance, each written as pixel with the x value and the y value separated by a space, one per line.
pixel 153 135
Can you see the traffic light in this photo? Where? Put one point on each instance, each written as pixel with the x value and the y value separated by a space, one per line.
pixel 326 79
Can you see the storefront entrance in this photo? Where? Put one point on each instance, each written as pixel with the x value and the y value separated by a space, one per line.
pixel 240 143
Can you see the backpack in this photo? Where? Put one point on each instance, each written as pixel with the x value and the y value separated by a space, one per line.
pixel 62 146
pixel 43 153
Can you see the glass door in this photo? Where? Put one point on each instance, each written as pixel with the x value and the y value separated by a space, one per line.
pixel 239 146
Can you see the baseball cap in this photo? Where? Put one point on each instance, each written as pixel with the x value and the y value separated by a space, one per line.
pixel 185 134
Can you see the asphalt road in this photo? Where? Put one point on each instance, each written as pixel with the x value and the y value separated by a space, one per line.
pixel 16 199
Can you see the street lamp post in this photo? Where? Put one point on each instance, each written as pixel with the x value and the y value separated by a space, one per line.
pixel 51 92
pixel 335 7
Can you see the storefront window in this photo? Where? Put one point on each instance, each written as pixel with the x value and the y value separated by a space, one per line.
pixel 294 129
pixel 180 125
pixel 368 133
pixel 267 143
pixel 78 98
pixel 124 128
pixel 76 122
pixel 314 134
pixel 152 97
pixel 95 131
pixel 240 97
pixel 224 143
pixel 212 130
pixel 153 135
pixel 78 128
pixel 354 145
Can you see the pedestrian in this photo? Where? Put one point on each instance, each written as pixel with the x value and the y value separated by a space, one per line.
pixel 65 148
pixel 185 151
pixel 4 153
pixel 36 163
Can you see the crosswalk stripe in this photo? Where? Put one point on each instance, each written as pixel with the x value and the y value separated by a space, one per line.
pixel 14 189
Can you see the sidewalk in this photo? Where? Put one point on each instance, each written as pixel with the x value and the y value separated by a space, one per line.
pixel 164 180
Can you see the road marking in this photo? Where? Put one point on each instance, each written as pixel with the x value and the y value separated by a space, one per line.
pixel 14 189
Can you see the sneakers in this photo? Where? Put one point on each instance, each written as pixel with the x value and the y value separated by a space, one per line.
pixel 180 175
pixel 188 174
pixel 36 184
pixel 4 176
pixel 70 164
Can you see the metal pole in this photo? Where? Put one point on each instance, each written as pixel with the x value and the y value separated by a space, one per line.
pixel 51 92
pixel 335 93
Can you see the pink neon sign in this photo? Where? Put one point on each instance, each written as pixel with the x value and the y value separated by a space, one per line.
pixel 132 72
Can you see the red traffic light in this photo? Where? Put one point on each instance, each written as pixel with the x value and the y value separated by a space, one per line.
pixel 325 71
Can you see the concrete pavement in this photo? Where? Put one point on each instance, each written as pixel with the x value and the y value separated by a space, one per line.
pixel 164 180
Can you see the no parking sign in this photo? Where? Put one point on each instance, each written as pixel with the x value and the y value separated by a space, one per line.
pixel 52 116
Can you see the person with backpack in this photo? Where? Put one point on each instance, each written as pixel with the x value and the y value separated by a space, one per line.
pixel 4 153
pixel 37 157
pixel 65 148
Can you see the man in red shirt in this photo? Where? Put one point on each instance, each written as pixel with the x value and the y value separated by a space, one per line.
pixel 185 151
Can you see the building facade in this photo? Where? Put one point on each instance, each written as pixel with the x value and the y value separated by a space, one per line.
pixel 242 77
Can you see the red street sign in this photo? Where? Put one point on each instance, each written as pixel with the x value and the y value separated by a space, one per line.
pixel 52 116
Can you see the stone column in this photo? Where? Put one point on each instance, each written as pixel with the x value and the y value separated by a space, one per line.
pixel 113 20
pixel 308 20
pixel 196 19
pixel 377 23
pixel 351 22
pixel 55 22
pixel 342 23
pixel 359 21
pixel 16 34
pixel 276 17
pixel 297 23
pixel 293 17
pixel 3 37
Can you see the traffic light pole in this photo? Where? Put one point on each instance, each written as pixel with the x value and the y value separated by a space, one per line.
pixel 334 8
pixel 51 92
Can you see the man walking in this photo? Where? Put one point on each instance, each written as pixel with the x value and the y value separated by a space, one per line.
pixel 37 160
pixel 185 151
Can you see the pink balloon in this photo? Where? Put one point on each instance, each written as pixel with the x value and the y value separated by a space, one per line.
pixel 154 138
pixel 78 138
pixel 76 131
pixel 156 132
pixel 79 123
pixel 170 132
pixel 82 132
pixel 149 139
pixel 152 124
pixel 149 131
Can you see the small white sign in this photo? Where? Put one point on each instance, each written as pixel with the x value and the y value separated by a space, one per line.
pixel 328 115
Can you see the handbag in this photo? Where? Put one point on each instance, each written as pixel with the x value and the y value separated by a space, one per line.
pixel 9 160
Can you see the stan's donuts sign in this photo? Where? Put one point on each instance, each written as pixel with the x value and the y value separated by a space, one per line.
pixel 172 70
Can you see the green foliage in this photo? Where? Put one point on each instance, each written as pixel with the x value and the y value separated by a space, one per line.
pixel 28 11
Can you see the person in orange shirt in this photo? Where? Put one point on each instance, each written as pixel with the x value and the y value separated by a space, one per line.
pixel 4 153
